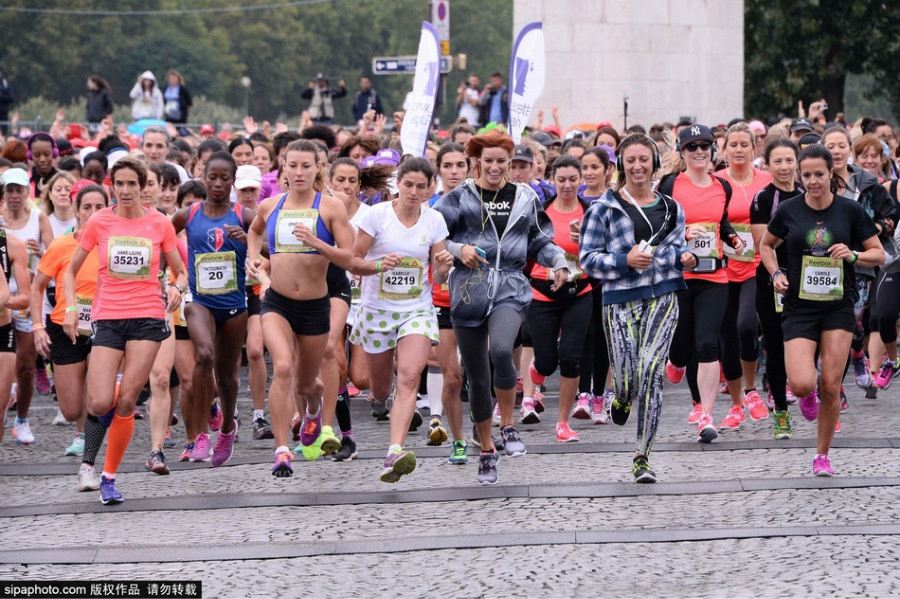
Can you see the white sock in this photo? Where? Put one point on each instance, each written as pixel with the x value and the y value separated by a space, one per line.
pixel 259 414
pixel 435 381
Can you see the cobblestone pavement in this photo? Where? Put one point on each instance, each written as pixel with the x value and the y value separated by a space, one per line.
pixel 742 518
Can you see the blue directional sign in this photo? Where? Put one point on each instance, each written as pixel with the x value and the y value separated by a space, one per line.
pixel 402 65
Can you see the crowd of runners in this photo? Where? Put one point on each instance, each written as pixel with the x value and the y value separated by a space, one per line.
pixel 140 276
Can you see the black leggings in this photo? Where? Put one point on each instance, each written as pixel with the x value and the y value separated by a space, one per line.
pixel 490 342
pixel 595 355
pixel 886 307
pixel 773 339
pixel 558 330
pixel 701 310
pixel 739 339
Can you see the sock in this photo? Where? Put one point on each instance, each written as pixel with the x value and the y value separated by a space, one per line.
pixel 120 432
pixel 342 412
pixel 94 432
pixel 259 414
pixel 395 449
pixel 313 416
pixel 435 389
pixel 282 449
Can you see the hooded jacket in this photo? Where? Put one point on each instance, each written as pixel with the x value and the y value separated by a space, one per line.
pixel 144 105
pixel 476 293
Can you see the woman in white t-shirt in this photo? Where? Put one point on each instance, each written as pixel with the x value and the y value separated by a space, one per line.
pixel 396 242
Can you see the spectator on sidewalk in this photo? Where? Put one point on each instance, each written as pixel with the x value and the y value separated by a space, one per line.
pixel 7 99
pixel 366 99
pixel 177 98
pixel 495 101
pixel 321 97
pixel 99 103
pixel 146 99
pixel 467 97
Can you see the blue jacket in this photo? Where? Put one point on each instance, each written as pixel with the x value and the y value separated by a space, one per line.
pixel 607 235
pixel 476 293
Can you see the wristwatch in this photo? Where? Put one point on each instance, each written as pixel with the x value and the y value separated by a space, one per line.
pixel 181 290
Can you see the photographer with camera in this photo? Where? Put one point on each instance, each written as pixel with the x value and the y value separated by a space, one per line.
pixel 321 97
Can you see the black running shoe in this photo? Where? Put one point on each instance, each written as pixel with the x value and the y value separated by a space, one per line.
pixel 380 411
pixel 416 421
pixel 347 451
pixel 262 429
pixel 642 471
pixel 619 410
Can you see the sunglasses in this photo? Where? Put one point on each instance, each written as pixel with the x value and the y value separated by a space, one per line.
pixel 693 147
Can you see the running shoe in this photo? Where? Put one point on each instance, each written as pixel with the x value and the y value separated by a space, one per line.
pixel 186 452
pixel 641 470
pixel 416 421
pixel 495 417
pixel 789 395
pixel 871 392
pixel 200 453
pixel 536 377
pixel 696 412
pixel 582 409
pixel 487 469
pixel 437 434
pixel 173 419
pixel 421 401
pixel 499 443
pixel 538 397
pixel 42 382
pixel 889 370
pixel 845 405
pixel 809 405
pixel 59 419
pixel 380 410
pixel 861 370
pixel 734 419
pixel 330 444
pixel 781 428
pixel 529 413
pixel 770 402
pixel 109 494
pixel 520 391
pixel 756 407
pixel 310 429
pixel 347 451
pixel 169 440
pixel 459 454
pixel 599 403
pixel 619 410
pixel 837 426
pixel 215 417
pixel 822 466
pixel 262 429
pixel 565 434
pixel 675 374
pixel 139 413
pixel 723 388
pixel 87 479
pixel 282 468
pixel 706 430
pixel 156 463
pixel 21 432
pixel 396 465
pixel 224 447
pixel 353 390
pixel 512 442
pixel 296 421
pixel 77 446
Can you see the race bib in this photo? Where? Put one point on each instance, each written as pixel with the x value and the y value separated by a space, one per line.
pixel 403 282
pixel 821 279
pixel 129 257
pixel 779 303
pixel 355 289
pixel 706 244
pixel 746 236
pixel 180 318
pixel 84 305
pixel 285 240
pixel 216 273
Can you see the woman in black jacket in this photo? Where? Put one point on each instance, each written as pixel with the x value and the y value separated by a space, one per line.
pixel 177 98
pixel 99 103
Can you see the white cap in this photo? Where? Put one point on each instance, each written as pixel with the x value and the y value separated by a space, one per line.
pixel 247 175
pixel 15 176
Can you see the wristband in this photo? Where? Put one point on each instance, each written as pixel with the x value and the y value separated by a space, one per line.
pixel 378 266
pixel 71 308
pixel 37 327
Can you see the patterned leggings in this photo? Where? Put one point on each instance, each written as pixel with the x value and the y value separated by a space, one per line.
pixel 638 335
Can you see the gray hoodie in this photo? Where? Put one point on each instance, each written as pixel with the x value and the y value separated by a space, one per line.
pixel 476 293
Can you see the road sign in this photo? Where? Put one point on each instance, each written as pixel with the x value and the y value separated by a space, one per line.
pixel 440 18
pixel 403 65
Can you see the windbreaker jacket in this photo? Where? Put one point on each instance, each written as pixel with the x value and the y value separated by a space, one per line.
pixel 607 235
pixel 476 293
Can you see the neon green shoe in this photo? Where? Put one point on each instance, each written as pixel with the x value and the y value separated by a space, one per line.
pixel 328 441
pixel 781 428
pixel 459 456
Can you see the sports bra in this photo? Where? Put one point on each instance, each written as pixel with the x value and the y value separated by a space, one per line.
pixel 322 231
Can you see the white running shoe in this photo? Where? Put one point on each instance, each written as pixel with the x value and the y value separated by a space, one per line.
pixel 87 479
pixel 21 432
pixel 59 419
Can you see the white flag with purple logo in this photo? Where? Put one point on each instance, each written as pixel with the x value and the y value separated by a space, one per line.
pixel 526 77
pixel 417 120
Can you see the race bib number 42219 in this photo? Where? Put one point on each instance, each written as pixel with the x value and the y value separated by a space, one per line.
pixel 402 282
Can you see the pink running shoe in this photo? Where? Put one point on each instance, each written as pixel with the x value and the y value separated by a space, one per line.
pixel 675 374
pixel 538 400
pixel 888 371
pixel 565 434
pixel 706 430
pixel 809 405
pixel 215 417
pixel 789 396
pixel 224 447
pixel 42 382
pixel 822 466
pixel 201 448
pixel 754 403
pixel 529 415
pixel 599 412
pixel 582 409
pixel 696 412
pixel 536 377
pixel 734 419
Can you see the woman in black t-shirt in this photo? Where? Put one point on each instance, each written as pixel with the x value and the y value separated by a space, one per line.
pixel 817 280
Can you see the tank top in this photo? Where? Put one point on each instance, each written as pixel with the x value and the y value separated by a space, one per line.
pixel 215 261
pixel 60 227
pixel 280 227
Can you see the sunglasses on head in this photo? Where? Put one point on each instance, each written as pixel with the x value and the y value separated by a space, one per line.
pixel 693 147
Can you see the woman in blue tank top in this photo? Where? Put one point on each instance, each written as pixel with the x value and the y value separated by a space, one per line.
pixel 217 313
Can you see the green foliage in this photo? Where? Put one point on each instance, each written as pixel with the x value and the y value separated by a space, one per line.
pixel 804 49
pixel 279 49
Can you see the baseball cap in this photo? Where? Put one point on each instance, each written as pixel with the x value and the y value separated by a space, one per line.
pixel 545 139
pixel 78 186
pixel 15 176
pixel 523 153
pixel 757 127
pixel 247 176
pixel 553 130
pixel 575 134
pixel 809 139
pixel 798 125
pixel 207 129
pixel 387 156
pixel 695 132
pixel 609 151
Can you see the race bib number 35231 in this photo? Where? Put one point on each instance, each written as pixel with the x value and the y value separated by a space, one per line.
pixel 129 257
pixel 403 282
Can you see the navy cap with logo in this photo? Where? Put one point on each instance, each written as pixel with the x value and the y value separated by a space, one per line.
pixel 523 153
pixel 799 125
pixel 695 133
